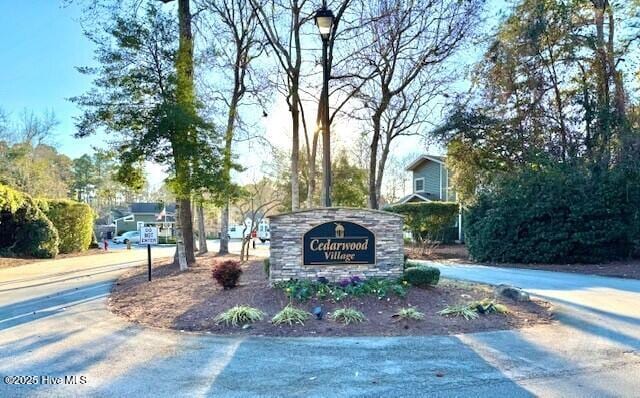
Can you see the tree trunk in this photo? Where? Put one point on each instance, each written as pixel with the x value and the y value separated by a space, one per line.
pixel 180 256
pixel 224 216
pixel 311 187
pixel 602 76
pixel 185 98
pixel 373 163
pixel 295 149
pixel 244 242
pixel 616 77
pixel 186 219
pixel 224 228
pixel 380 170
pixel 202 234
pixel 558 101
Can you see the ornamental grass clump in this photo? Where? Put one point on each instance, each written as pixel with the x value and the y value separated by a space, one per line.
pixel 227 273
pixel 409 313
pixel 488 306
pixel 347 316
pixel 290 315
pixel 239 315
pixel 460 310
pixel 476 308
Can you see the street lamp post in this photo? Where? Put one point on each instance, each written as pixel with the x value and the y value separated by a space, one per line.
pixel 324 21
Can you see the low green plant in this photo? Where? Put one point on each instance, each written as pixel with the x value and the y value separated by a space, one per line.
pixel 409 313
pixel 239 315
pixel 460 310
pixel 422 275
pixel 290 315
pixel 303 290
pixel 488 306
pixel 476 308
pixel 347 316
pixel 166 240
pixel 299 290
pixel 324 291
pixel 409 263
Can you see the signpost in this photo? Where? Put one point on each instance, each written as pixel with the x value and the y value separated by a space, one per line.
pixel 149 236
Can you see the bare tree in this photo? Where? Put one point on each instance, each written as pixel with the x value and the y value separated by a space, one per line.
pixel 236 43
pixel 405 45
pixel 30 127
pixel 345 79
pixel 4 125
pixel 398 182
pixel 282 22
pixel 260 199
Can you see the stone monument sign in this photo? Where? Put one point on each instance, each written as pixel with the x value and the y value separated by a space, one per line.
pixel 335 243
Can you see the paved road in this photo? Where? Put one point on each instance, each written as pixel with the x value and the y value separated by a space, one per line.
pixel 54 322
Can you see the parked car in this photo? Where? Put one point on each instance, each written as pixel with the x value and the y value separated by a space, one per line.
pixel 130 236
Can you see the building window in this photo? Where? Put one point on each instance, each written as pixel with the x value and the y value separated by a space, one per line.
pixel 418 185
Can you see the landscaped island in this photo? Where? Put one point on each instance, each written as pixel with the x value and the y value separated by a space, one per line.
pixel 194 301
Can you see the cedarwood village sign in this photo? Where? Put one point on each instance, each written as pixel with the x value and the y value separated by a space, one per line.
pixel 339 242
pixel 335 243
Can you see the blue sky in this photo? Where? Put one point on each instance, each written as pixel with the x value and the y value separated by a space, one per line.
pixel 42 43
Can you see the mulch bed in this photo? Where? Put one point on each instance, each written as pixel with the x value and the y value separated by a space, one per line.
pixel 621 269
pixel 16 261
pixel 191 300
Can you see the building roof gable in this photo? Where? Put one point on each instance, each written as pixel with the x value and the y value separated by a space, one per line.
pixel 424 158
pixel 151 207
pixel 414 197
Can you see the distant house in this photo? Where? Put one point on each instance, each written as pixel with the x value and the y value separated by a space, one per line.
pixel 260 228
pixel 147 214
pixel 430 180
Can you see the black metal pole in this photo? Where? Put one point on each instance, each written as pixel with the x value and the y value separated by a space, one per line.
pixel 326 128
pixel 149 261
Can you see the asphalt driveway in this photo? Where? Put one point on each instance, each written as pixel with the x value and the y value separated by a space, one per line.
pixel 54 323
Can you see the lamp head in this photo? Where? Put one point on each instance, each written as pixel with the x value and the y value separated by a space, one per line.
pixel 324 21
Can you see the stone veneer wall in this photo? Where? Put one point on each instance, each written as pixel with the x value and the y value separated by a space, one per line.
pixel 288 229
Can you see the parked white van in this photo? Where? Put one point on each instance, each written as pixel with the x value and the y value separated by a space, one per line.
pixel 235 231
pixel 264 233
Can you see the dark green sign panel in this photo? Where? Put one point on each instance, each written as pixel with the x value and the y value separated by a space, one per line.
pixel 338 242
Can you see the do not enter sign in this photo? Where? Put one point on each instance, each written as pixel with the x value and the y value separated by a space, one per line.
pixel 149 236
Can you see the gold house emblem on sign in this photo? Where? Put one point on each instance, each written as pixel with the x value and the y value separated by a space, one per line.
pixel 339 230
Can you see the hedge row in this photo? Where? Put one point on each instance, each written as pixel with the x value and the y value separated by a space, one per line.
pixel 556 216
pixel 74 222
pixel 42 227
pixel 429 220
pixel 24 229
